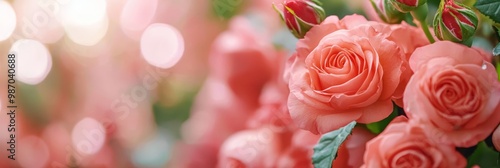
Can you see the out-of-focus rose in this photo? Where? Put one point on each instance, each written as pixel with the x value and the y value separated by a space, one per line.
pixel 299 153
pixel 245 68
pixel 454 93
pixel 338 76
pixel 404 145
pixel 239 73
pixel 241 94
pixel 253 148
pixel 217 113
pixel 273 110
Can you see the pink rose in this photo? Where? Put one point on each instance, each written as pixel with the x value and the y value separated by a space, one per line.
pixel 239 74
pixel 213 117
pixel 405 145
pixel 255 148
pixel 299 152
pixel 338 76
pixel 245 68
pixel 454 93
pixel 241 94
pixel 273 110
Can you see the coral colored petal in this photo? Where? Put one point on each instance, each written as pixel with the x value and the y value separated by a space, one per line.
pixel 376 112
pixel 316 120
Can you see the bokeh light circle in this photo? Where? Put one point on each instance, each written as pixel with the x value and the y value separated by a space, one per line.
pixel 7 20
pixel 87 35
pixel 33 152
pixel 162 45
pixel 84 12
pixel 34 61
pixel 85 21
pixel 136 16
pixel 88 136
pixel 38 20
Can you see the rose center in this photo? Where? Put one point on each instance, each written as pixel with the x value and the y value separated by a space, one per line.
pixel 335 65
pixel 340 60
pixel 410 159
pixel 454 95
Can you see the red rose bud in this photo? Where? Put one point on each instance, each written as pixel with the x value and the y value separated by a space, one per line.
pixel 386 11
pixel 455 22
pixel 407 5
pixel 301 15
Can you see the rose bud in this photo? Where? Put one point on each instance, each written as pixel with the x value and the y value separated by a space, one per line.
pixel 407 5
pixel 455 22
pixel 386 11
pixel 301 15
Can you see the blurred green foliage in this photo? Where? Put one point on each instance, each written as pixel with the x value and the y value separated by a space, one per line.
pixel 34 105
pixel 225 9
pixel 173 116
pixel 338 8
pixel 484 157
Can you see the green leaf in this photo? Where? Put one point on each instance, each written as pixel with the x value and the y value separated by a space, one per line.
pixel 378 127
pixel 496 50
pixel 484 157
pixel 490 8
pixel 326 149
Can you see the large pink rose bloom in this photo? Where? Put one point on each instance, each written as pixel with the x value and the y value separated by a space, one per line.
pixel 344 71
pixel 405 145
pixel 454 93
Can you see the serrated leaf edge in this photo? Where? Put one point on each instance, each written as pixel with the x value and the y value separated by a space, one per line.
pixel 321 155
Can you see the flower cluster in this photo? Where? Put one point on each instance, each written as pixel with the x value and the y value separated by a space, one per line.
pixel 349 70
pixel 451 101
pixel 241 119
pixel 271 110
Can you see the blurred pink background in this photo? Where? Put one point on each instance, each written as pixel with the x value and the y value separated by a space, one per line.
pixel 111 83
